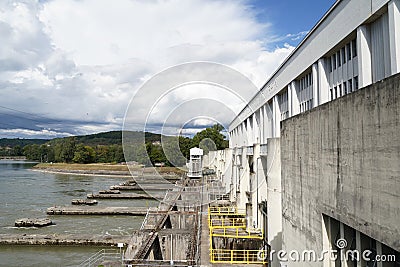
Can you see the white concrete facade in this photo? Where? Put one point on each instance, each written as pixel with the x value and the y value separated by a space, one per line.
pixel 355 44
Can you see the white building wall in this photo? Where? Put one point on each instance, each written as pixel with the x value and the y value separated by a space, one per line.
pixel 394 36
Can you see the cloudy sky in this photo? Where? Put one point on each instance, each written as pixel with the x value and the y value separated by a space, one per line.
pixel 71 67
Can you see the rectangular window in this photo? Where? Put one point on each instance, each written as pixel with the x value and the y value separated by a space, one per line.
pixel 350 82
pixel 331 93
pixel 348 49
pixel 334 61
pixel 329 64
pixel 356 83
pixel 343 55
pixel 354 47
pixel 340 90
pixel 339 59
pixel 335 89
pixel 345 88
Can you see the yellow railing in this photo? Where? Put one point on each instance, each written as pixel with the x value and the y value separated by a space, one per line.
pixel 238 256
pixel 235 233
pixel 227 223
pixel 225 210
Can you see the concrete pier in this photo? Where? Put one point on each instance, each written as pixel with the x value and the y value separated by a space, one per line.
pixel 124 196
pixel 143 187
pixel 33 222
pixel 85 210
pixel 62 240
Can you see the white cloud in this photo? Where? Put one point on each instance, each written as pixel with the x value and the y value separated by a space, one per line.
pixel 32 133
pixel 83 60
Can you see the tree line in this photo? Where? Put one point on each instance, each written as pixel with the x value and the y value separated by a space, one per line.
pixel 73 150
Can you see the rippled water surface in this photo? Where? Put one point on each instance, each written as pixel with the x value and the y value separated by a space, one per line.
pixel 27 193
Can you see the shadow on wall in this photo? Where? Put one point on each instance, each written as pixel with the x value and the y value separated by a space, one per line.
pixel 276 244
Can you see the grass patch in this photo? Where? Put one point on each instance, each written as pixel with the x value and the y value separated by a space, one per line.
pixel 104 167
pixel 83 167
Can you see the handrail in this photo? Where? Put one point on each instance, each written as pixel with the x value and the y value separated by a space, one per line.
pixel 235 233
pixel 145 220
pixel 100 256
pixel 225 210
pixel 238 256
pixel 227 223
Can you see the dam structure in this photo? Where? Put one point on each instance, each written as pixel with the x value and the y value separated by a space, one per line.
pixel 314 157
pixel 312 164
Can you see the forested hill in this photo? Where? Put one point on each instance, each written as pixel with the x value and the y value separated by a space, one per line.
pixel 106 138
pixel 13 142
pixel 100 147
pixel 114 138
pixel 107 147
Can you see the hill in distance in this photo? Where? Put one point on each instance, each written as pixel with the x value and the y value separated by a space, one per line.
pixel 106 138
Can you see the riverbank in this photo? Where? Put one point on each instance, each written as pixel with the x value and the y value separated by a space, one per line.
pixel 12 158
pixel 104 169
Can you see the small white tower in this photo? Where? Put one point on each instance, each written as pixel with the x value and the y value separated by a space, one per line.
pixel 195 163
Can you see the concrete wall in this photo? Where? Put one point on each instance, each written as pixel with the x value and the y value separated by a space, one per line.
pixel 274 196
pixel 343 159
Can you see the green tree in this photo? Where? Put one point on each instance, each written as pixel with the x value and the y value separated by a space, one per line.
pixel 84 154
pixel 155 153
pixel 185 144
pixel 32 152
pixel 115 154
pixel 102 153
pixel 173 153
pixel 16 151
pixel 210 139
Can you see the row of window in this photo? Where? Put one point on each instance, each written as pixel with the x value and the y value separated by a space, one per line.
pixel 344 54
pixel 344 88
pixel 306 105
pixel 305 82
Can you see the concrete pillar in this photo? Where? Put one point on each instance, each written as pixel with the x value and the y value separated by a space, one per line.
pixel 342 252
pixel 266 122
pixel 364 57
pixel 254 191
pixel 261 124
pixel 274 196
pixel 256 129
pixel 290 109
pixel 326 244
pixel 276 116
pixel 315 89
pixel 323 85
pixel 359 248
pixel 249 132
pixel 379 252
pixel 234 137
pixel 295 104
pixel 394 35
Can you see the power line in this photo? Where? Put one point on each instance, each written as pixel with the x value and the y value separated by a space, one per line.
pixel 16 110
pixel 18 127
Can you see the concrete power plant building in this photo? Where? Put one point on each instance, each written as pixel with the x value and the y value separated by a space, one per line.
pixel 314 157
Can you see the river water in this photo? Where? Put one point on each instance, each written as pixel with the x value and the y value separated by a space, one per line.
pixel 26 193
